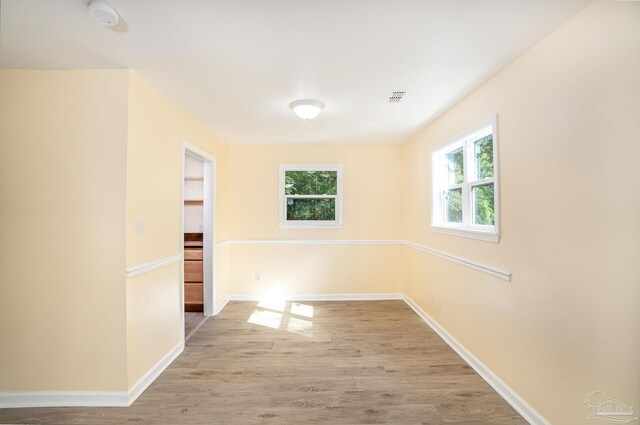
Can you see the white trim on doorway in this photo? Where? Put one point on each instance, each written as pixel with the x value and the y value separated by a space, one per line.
pixel 208 231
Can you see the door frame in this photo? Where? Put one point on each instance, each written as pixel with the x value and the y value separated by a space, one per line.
pixel 208 228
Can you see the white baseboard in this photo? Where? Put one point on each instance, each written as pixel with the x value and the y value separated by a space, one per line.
pixel 320 297
pixel 90 398
pixel 507 393
pixel 527 411
pixel 222 305
pixel 126 398
pixel 153 373
pixel 64 399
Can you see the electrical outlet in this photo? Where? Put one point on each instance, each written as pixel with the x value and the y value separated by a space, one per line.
pixel 258 276
pixel 139 227
pixel 433 296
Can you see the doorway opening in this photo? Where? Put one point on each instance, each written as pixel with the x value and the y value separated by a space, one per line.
pixel 198 236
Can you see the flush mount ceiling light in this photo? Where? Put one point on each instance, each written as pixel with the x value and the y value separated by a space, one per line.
pixel 103 13
pixel 307 109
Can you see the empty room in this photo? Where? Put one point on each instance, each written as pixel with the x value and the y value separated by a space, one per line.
pixel 320 211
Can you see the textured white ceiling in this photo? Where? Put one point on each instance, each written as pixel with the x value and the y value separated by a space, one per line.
pixel 236 65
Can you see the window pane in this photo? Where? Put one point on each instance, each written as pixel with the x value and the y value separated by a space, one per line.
pixel 455 162
pixel 483 201
pixel 311 182
pixel 484 157
pixel 311 209
pixel 453 205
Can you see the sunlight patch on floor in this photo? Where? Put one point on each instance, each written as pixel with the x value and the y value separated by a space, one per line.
pixel 299 326
pixel 269 319
pixel 275 313
pixel 302 310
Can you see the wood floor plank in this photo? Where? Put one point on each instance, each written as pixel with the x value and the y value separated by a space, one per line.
pixel 309 362
pixel 192 320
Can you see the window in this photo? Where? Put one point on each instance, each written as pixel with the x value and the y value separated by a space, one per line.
pixel 465 184
pixel 310 196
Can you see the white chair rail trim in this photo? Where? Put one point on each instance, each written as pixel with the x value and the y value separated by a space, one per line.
pixel 146 267
pixel 493 271
pixel 309 242
pixel 502 274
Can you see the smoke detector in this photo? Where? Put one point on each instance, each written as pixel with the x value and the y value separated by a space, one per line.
pixel 103 13
pixel 395 96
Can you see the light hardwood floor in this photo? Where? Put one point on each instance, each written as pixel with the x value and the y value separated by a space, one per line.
pixel 322 362
pixel 191 322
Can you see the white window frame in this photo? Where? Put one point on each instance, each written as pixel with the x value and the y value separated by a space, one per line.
pixel 439 179
pixel 310 224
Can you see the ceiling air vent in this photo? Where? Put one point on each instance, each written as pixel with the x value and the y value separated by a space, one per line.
pixel 395 96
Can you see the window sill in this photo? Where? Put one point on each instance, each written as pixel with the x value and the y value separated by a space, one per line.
pixel 310 226
pixel 467 233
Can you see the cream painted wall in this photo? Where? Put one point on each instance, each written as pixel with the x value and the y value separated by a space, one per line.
pixel 63 137
pixel 372 210
pixel 85 153
pixel 372 200
pixel 566 325
pixel 316 269
pixel 157 128
pixel 153 312
pixel 568 125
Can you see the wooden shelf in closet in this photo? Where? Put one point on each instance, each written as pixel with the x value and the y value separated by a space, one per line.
pixel 193 201
pixel 194 179
pixel 193 291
